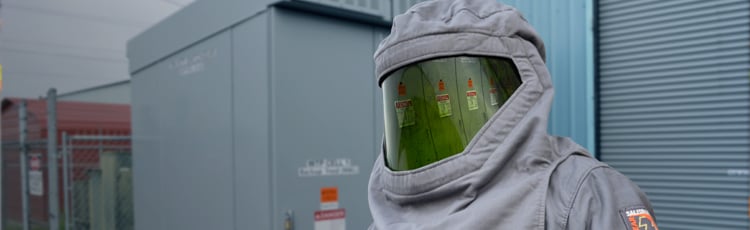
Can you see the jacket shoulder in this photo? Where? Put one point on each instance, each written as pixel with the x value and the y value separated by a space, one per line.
pixel 586 192
pixel 565 180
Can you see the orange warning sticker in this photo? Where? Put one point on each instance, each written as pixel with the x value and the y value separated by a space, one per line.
pixel 471 83
pixel 640 219
pixel 441 85
pixel 329 194
pixel 401 89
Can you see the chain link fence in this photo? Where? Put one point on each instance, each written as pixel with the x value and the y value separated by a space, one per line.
pixel 25 170
pixel 87 186
pixel 33 171
pixel 98 182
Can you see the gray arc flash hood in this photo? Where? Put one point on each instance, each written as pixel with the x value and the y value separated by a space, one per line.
pixel 512 174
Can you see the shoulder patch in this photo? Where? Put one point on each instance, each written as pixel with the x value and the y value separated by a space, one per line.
pixel 639 219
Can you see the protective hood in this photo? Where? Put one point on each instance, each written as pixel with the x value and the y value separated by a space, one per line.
pixel 500 179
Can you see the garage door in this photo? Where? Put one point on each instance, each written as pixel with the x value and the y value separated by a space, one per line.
pixel 674 111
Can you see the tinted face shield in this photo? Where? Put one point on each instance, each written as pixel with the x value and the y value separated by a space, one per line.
pixel 434 108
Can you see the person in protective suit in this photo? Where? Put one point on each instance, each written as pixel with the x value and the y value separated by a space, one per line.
pixel 467 97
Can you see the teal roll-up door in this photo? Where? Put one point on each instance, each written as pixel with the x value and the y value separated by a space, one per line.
pixel 674 106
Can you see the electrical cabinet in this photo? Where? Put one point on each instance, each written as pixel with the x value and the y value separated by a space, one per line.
pixel 254 115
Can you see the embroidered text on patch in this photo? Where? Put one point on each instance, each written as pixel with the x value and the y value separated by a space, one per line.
pixel 640 219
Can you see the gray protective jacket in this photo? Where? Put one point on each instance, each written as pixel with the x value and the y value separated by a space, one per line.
pixel 512 175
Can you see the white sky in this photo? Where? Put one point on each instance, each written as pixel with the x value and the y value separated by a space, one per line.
pixel 71 44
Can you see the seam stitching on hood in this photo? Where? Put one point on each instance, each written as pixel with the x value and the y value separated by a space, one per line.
pixel 468 31
pixel 454 14
pixel 393 65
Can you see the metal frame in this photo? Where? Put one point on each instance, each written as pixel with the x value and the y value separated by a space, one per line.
pixel 66 179
pixel 22 164
pixel 53 205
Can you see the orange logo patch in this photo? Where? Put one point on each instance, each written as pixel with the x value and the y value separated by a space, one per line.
pixel 640 219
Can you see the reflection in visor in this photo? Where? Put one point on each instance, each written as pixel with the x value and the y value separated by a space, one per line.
pixel 434 108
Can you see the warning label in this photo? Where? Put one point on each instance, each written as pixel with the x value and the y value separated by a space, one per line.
pixel 444 105
pixel 405 113
pixel 36 178
pixel 471 98
pixel 36 183
pixel 330 219
pixel 326 167
pixel 329 194
pixel 329 198
pixel 493 96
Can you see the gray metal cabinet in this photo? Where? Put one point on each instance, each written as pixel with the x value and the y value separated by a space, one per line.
pixel 244 128
pixel 183 155
pixel 323 94
pixel 674 106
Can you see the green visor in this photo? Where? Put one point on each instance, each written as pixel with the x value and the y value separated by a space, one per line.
pixel 434 108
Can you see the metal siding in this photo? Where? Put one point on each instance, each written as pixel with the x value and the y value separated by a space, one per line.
pixel 250 119
pixel 380 8
pixel 318 106
pixel 183 160
pixel 565 29
pixel 197 179
pixel 146 111
pixel 170 35
pixel 674 106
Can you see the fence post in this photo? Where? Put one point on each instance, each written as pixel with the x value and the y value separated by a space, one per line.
pixel 66 178
pixel 54 209
pixel 22 163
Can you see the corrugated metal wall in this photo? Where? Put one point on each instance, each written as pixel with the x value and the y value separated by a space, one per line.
pixel 567 34
pixel 674 106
